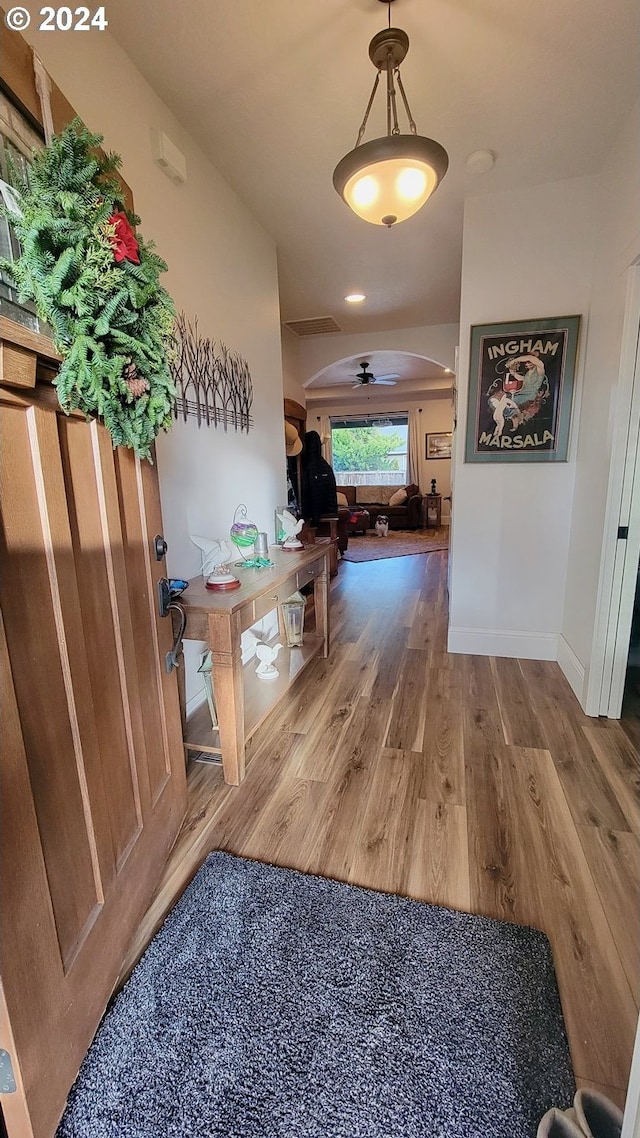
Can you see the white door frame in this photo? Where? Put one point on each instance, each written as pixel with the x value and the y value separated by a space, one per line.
pixel 455 439
pixel 618 568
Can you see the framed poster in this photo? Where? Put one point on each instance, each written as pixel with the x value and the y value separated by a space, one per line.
pixel 438 446
pixel 521 377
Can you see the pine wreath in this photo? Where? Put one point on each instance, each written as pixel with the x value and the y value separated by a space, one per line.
pixel 96 283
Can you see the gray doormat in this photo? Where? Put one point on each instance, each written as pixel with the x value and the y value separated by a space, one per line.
pixel 273 1004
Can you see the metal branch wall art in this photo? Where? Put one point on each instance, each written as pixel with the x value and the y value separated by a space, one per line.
pixel 213 384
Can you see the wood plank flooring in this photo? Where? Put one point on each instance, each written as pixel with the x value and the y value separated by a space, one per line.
pixel 465 781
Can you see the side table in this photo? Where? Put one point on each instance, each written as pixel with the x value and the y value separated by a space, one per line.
pixel 432 516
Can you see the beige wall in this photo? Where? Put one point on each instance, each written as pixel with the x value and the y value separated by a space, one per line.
pixel 222 267
pixel 526 254
pixel 435 342
pixel 291 383
pixel 527 542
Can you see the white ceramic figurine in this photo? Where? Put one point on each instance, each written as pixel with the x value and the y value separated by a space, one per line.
pixel 266 654
pixel 215 556
pixel 291 526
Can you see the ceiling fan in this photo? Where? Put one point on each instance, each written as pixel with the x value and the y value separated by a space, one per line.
pixel 365 377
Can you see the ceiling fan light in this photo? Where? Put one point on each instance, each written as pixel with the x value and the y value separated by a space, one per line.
pixel 389 179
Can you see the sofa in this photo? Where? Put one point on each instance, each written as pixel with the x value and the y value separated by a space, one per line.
pixel 375 500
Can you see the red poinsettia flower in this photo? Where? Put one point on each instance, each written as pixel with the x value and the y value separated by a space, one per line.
pixel 123 242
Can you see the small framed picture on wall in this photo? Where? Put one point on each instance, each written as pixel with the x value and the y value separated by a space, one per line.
pixel 438 446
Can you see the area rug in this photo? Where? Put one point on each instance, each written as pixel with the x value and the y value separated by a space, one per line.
pixel 397 543
pixel 273 1004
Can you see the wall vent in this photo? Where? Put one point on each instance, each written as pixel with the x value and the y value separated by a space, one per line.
pixel 168 157
pixel 317 326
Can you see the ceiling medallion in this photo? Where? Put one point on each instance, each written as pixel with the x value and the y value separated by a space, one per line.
pixel 388 179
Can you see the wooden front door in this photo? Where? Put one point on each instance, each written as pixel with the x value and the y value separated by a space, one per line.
pixel 92 776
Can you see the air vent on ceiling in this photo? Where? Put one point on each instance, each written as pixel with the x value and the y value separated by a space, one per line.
pixel 317 326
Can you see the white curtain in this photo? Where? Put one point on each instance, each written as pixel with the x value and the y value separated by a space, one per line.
pixel 325 436
pixel 414 438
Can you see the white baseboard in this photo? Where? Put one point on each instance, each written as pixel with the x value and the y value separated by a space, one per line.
pixel 493 642
pixel 573 669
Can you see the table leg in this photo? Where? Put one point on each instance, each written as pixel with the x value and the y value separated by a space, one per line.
pixel 333 555
pixel 224 641
pixel 321 602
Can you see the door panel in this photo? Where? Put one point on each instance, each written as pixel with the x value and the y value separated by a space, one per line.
pixel 102 589
pixel 140 516
pixel 40 606
pixel 93 779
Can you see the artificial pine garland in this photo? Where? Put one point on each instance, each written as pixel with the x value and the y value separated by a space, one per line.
pixel 96 283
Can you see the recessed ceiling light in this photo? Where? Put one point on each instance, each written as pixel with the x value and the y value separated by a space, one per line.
pixel 355 297
pixel 447 371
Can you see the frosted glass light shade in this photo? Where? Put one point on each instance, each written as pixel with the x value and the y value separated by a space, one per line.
pixel 389 179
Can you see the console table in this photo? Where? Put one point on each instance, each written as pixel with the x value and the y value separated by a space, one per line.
pixel 242 700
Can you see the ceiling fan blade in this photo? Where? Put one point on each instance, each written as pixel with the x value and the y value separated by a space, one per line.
pixel 356 385
pixel 386 382
pixel 388 375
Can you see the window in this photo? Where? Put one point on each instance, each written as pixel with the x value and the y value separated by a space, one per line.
pixel 17 141
pixel 371 448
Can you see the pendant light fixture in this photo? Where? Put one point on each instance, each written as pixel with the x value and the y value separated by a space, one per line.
pixel 389 179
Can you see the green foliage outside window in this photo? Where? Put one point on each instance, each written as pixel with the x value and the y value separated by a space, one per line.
pixel 364 448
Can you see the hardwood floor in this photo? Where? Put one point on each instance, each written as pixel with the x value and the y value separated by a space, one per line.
pixel 465 781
